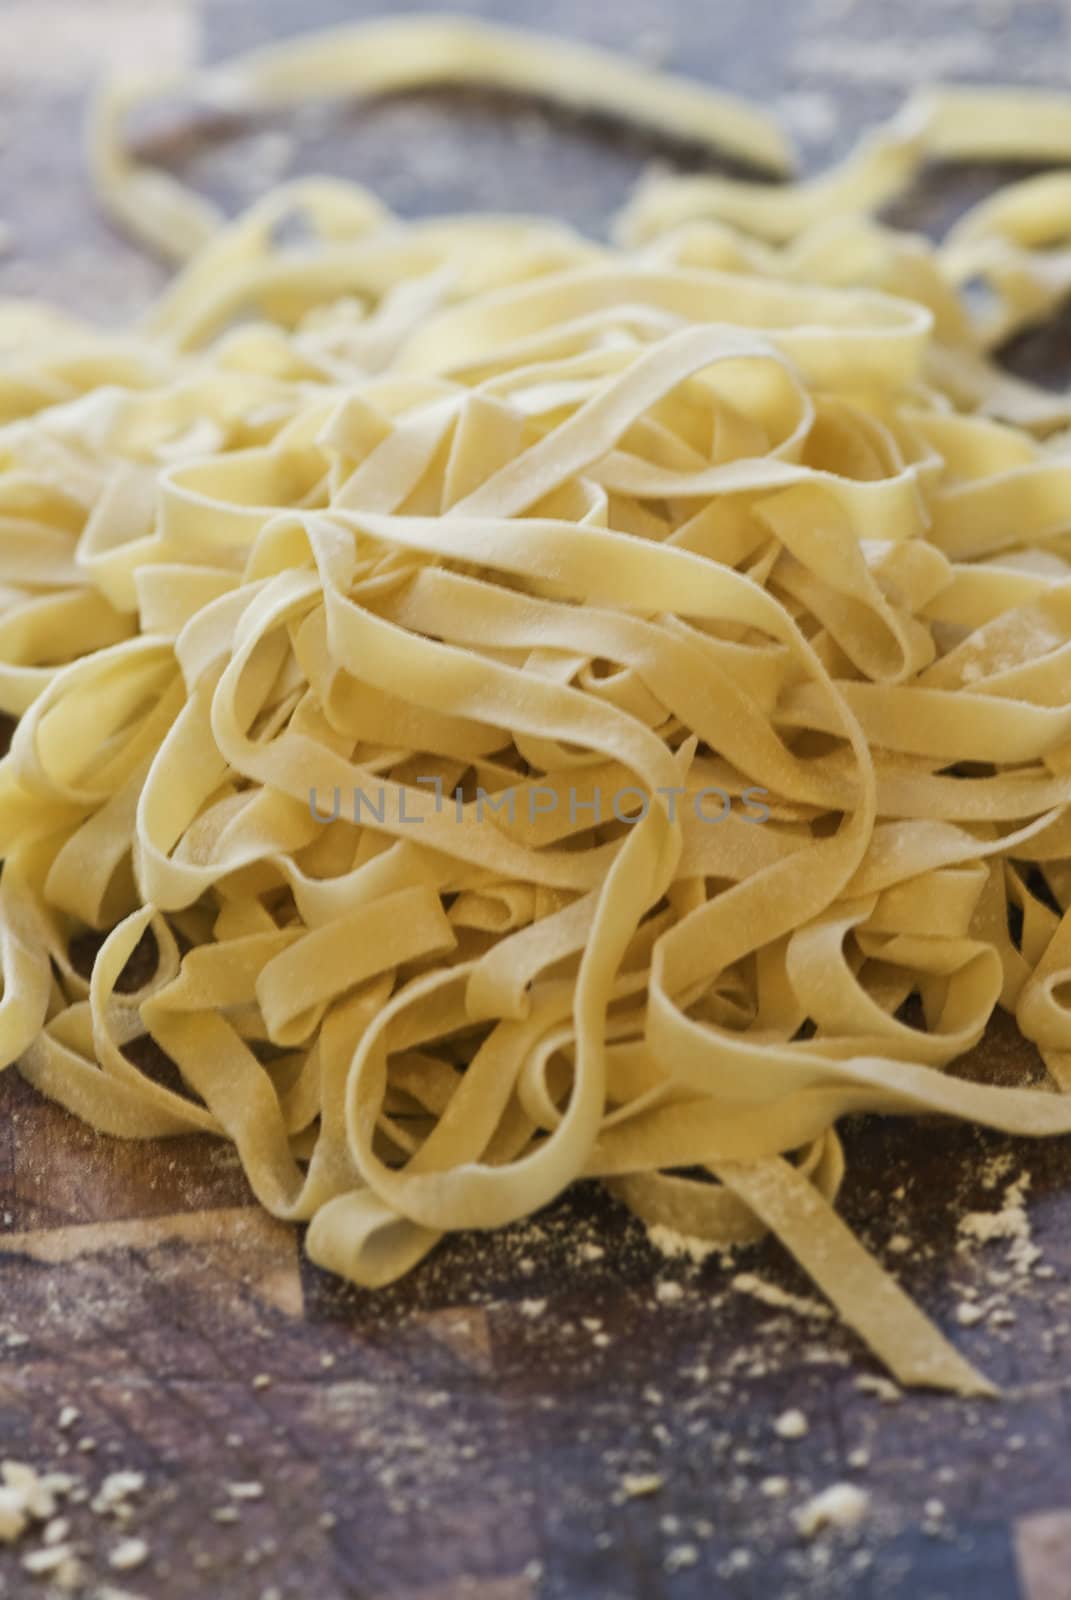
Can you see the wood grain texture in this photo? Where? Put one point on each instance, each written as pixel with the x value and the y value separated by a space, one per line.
pixel 471 1432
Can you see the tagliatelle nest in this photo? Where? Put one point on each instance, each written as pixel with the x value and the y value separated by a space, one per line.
pixel 353 547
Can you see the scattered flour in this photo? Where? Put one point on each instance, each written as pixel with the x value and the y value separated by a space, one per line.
pixel 1010 1222
pixel 27 1496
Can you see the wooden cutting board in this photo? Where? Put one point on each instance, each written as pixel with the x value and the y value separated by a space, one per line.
pixel 485 1429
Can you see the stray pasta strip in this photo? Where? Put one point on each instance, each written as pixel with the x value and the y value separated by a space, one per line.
pixel 530 709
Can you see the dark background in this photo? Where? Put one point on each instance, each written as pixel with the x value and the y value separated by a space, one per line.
pixel 466 1435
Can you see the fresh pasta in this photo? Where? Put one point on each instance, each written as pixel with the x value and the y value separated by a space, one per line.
pixel 512 708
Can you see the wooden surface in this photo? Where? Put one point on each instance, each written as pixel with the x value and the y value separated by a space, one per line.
pixel 469 1433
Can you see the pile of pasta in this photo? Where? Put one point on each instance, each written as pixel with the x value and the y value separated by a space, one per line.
pixel 371 530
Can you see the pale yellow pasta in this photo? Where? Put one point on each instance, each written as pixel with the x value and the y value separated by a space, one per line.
pixel 543 709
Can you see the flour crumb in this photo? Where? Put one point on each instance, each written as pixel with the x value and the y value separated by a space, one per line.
pixel 996 1168
pixel 128 1554
pixel 883 1388
pixel 791 1424
pixel 637 1484
pixel 900 1244
pixel 773 1488
pixel 49 1559
pixel 841 1506
pixel 67 1418
pixel 680 1556
pixel 13 1515
pixel 669 1293
pixel 533 1308
pixel 34 1491
pixel 737 1560
pixel 780 1299
pixel 112 1496
pixel 673 1245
